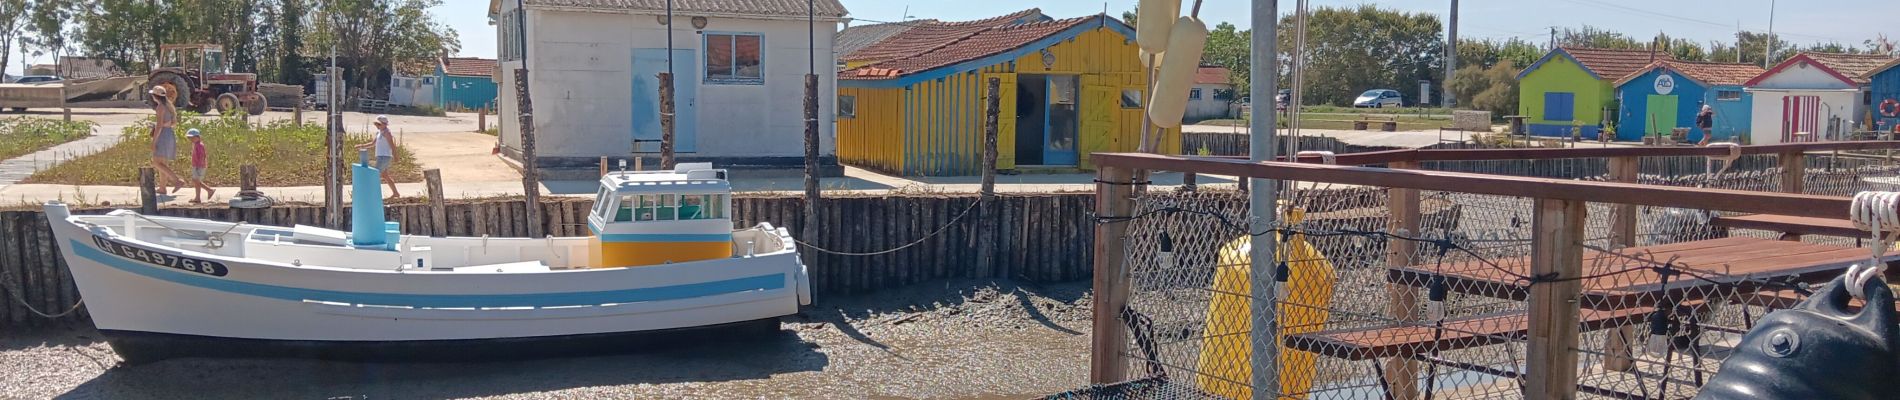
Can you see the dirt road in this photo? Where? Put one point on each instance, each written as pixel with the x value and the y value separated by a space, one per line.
pixel 951 340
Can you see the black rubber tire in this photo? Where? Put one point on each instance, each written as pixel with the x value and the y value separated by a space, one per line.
pixel 178 84
pixel 257 105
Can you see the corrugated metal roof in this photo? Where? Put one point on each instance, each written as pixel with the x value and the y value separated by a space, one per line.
pixel 774 8
pixel 468 66
pixel 927 35
pixel 984 43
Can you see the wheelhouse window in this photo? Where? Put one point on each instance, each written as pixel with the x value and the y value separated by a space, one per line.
pixel 735 58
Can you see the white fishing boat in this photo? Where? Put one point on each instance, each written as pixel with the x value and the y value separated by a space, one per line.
pixel 664 262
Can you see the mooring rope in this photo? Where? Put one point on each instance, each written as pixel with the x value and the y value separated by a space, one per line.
pixel 946 226
pixel 19 297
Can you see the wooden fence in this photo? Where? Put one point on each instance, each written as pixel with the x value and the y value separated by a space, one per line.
pixel 1041 238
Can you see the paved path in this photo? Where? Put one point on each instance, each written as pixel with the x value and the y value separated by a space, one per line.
pixel 18 168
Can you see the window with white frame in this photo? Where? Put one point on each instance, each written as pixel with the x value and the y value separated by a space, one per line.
pixel 847 106
pixel 1194 94
pixel 735 58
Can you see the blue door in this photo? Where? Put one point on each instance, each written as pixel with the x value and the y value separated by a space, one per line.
pixel 1060 123
pixel 647 66
pixel 1560 106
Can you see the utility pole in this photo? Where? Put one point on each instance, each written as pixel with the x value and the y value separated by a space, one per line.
pixel 1768 52
pixel 1451 58
pixel 1553 38
pixel 666 97
pixel 811 122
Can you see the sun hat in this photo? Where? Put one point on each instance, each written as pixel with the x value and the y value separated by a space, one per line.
pixel 382 119
pixel 193 132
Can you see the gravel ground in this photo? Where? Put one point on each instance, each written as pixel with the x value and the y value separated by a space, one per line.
pixel 953 339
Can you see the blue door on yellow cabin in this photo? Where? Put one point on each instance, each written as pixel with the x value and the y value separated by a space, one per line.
pixel 1059 142
pixel 647 66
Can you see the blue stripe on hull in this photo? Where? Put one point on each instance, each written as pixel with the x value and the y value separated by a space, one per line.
pixel 661 293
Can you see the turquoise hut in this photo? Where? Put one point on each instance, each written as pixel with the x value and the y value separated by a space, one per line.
pixel 1668 94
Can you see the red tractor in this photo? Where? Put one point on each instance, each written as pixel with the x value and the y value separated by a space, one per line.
pixel 199 72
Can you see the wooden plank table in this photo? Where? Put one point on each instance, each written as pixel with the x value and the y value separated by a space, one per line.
pixel 1792 225
pixel 1734 260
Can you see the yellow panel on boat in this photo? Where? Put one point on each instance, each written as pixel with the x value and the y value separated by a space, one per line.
pixel 635 253
pixel 1226 348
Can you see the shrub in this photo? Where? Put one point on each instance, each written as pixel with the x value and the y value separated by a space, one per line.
pixel 285 155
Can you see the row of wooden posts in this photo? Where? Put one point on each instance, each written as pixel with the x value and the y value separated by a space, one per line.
pixel 1027 237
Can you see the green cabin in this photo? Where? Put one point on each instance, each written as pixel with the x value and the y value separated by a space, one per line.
pixel 1571 91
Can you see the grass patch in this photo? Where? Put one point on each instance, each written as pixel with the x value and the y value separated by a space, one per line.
pixel 20 136
pixel 424 110
pixel 285 155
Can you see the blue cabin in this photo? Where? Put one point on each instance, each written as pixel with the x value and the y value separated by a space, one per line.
pixel 465 83
pixel 1884 96
pixel 1668 94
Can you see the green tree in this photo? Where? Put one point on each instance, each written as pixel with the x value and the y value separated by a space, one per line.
pixel 1229 47
pixel 1350 50
pixel 373 38
pixel 1590 36
pixel 12 14
pixel 1491 88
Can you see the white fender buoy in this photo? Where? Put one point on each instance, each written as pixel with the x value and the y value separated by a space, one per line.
pixel 1169 101
pixel 1155 21
pixel 1145 55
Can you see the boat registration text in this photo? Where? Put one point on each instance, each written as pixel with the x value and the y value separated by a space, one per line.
pixel 155 257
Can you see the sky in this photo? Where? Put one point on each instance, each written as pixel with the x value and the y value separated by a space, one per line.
pixel 1800 21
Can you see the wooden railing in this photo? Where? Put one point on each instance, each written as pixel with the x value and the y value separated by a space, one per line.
pixel 1559 209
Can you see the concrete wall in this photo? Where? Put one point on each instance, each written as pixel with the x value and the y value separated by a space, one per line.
pixel 581 65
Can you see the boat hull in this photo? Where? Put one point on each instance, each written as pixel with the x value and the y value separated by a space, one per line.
pixel 145 347
pixel 138 291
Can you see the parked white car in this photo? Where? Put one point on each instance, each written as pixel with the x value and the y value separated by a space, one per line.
pixel 1379 98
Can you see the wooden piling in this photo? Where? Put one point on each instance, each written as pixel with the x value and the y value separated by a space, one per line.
pixel 666 120
pixel 530 171
pixel 438 212
pixel 148 191
pixel 986 242
pixel 1618 349
pixel 811 154
pixel 247 177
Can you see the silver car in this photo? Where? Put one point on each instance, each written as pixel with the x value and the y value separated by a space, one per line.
pixel 1379 98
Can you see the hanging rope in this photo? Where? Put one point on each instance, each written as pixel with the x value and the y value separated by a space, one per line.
pixel 1879 213
pixel 946 226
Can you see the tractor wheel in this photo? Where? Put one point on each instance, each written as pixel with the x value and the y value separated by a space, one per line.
pixel 173 84
pixel 227 103
pixel 255 103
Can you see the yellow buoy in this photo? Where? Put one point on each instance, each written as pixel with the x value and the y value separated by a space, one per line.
pixel 1169 101
pixel 1226 347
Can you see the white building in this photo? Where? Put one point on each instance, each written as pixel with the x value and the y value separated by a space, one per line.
pixel 411 91
pixel 1811 97
pixel 1212 96
pixel 739 75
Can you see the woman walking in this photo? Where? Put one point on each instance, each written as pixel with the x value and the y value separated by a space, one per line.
pixel 164 141
pixel 385 146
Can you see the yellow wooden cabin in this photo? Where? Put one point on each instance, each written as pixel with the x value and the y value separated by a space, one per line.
pixel 1067 88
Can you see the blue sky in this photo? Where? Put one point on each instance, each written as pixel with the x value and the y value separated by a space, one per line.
pixel 1798 21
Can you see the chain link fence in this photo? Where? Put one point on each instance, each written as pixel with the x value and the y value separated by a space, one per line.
pixel 1370 311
